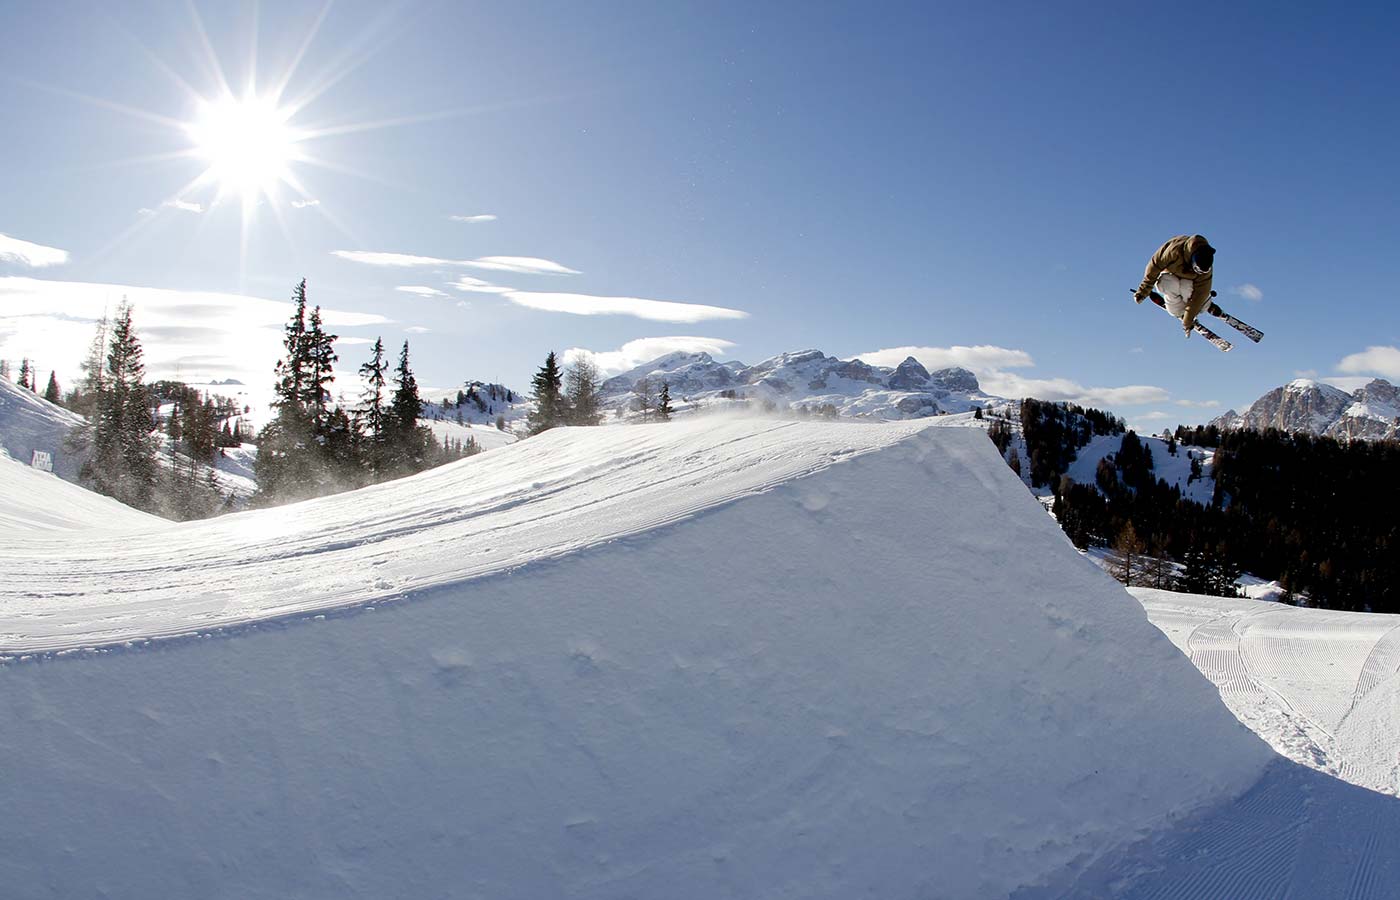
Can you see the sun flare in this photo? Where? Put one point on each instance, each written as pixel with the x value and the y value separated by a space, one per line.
pixel 248 144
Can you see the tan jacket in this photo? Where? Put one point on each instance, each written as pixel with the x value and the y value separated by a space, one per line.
pixel 1175 257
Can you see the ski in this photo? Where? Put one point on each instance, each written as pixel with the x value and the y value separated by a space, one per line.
pixel 1224 345
pixel 1244 328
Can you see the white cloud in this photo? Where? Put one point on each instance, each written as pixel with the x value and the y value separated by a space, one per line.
pixel 634 353
pixel 183 205
pixel 380 258
pixel 1383 361
pixel 1006 384
pixel 420 290
pixel 473 220
pixel 1154 416
pixel 303 204
pixel 36 256
pixel 416 329
pixel 1248 291
pixel 476 285
pixel 198 336
pixel 590 305
pixel 981 358
pixel 1305 373
pixel 1348 383
pixel 520 265
pixel 1198 404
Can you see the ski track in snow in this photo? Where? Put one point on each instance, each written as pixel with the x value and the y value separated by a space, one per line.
pixel 1321 686
pixel 466 520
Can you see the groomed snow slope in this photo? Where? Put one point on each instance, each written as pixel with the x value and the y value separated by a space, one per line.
pixel 706 659
pixel 34 502
pixel 1321 686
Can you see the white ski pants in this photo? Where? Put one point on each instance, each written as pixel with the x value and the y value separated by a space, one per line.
pixel 1176 291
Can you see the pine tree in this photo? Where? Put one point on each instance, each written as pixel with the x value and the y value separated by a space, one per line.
pixel 409 443
pixel 317 373
pixel 663 403
pixel 51 392
pixel 26 374
pixel 83 398
pixel 549 399
pixel 288 465
pixel 123 464
pixel 371 412
pixel 581 390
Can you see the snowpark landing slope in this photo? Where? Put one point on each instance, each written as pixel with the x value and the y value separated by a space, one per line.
pixel 715 658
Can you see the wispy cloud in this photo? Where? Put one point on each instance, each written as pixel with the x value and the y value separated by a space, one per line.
pixel 420 290
pixel 990 363
pixel 1197 404
pixel 1305 373
pixel 473 220
pixel 590 305
pixel 477 286
pixel 381 258
pixel 1248 292
pixel 520 265
pixel 303 204
pixel 1384 361
pixel 183 206
pixel 634 353
pixel 416 329
pixel 1155 416
pixel 195 335
pixel 36 256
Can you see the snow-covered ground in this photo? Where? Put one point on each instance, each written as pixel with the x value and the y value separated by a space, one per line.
pixel 737 658
pixel 32 501
pixel 1321 686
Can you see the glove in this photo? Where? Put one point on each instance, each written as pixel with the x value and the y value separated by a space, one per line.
pixel 1141 294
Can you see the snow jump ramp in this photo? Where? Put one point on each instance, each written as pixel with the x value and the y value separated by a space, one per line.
pixel 708 659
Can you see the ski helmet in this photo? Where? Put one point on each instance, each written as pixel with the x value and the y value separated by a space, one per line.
pixel 1203 259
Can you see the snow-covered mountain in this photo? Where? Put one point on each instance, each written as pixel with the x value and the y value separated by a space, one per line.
pixel 807 379
pixel 1303 405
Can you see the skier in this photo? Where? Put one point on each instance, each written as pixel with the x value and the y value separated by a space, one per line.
pixel 1180 271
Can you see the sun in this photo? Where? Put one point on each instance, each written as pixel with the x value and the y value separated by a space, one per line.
pixel 248 144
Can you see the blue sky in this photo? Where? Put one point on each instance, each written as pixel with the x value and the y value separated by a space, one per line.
pixel 852 177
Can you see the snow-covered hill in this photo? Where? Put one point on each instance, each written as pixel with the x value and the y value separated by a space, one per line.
pixel 40 501
pixel 28 422
pixel 713 658
pixel 1174 469
pixel 807 379
pixel 1371 412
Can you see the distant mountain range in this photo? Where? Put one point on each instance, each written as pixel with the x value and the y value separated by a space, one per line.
pixel 1369 413
pixel 806 379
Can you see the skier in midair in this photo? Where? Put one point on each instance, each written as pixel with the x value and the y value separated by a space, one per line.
pixel 1180 271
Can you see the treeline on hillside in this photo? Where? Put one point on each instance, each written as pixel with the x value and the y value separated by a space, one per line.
pixel 1313 513
pixel 313 446
pixel 570 396
pixel 119 437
